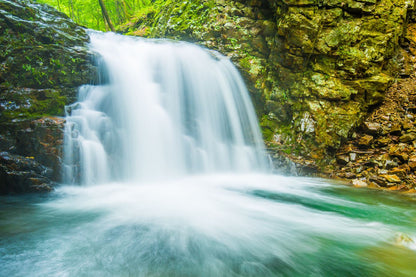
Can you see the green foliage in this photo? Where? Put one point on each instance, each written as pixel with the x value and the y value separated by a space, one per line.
pixel 88 12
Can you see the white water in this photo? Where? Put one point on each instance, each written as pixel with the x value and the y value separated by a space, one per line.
pixel 169 110
pixel 172 169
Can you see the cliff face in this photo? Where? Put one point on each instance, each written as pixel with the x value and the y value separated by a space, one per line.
pixel 43 59
pixel 314 68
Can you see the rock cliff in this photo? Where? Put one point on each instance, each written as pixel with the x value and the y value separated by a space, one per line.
pixel 315 68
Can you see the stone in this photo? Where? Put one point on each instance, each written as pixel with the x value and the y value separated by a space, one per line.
pixel 349 175
pixel 399 151
pixel 365 140
pixel 377 179
pixel 406 125
pixel 373 185
pixel 412 162
pixel 390 164
pixel 408 137
pixel 45 49
pixel 372 128
pixel 399 171
pixel 391 178
pixel 353 156
pixel 23 174
pixel 359 183
pixel 396 129
pixel 403 239
pixel 343 159
pixel 382 141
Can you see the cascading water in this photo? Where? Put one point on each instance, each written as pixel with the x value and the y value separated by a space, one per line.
pixel 169 109
pixel 175 183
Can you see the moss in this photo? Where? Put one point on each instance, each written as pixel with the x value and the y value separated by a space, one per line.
pixel 43 48
pixel 31 103
pixel 268 127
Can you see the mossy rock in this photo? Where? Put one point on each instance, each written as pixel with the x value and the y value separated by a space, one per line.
pixel 44 57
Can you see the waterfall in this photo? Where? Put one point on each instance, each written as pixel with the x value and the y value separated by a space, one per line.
pixel 167 116
pixel 167 109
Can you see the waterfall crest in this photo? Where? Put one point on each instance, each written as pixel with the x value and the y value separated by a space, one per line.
pixel 168 109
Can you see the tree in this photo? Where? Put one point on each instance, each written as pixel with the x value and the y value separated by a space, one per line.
pixel 105 15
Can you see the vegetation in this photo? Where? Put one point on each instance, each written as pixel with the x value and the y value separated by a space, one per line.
pixel 100 15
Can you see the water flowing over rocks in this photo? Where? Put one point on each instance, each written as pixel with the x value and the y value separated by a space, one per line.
pixel 43 59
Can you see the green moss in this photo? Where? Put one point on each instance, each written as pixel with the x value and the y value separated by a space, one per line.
pixel 268 127
pixel 31 103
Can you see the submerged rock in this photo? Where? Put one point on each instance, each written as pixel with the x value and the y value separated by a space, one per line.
pixel 23 174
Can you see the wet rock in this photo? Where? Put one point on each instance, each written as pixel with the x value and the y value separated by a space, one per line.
pixel 287 164
pixel 372 128
pixel 377 179
pixel 23 174
pixel 396 129
pixel 365 140
pixel 409 137
pixel 406 125
pixel 44 57
pixel 382 142
pixel 399 151
pixel 412 162
pixel 401 172
pixel 390 164
pixel 32 160
pixel 391 178
pixel 43 48
pixel 353 156
pixel 359 183
pixel 349 175
pixel 343 159
pixel 403 239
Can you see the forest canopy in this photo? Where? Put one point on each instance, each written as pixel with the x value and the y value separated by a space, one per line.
pixel 102 15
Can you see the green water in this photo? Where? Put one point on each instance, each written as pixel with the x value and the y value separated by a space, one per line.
pixel 220 225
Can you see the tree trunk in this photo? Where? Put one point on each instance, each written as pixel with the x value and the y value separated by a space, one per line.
pixel 105 15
